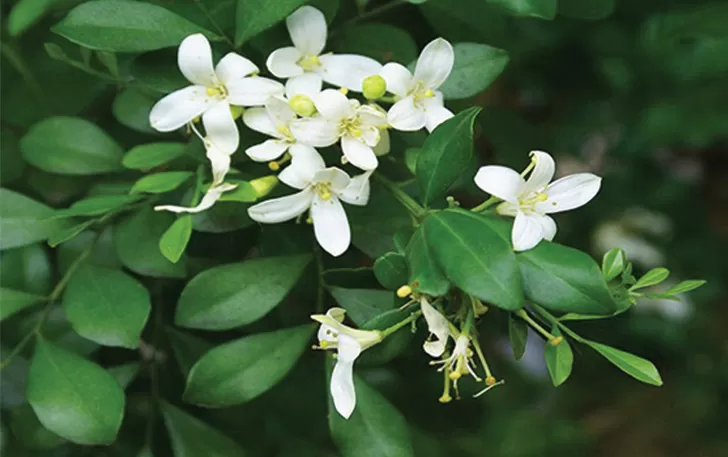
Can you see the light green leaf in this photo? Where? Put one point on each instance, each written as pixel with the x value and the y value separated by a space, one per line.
pixel 255 16
pixel 637 367
pixel 159 183
pixel 25 13
pixel 24 221
pixel 71 146
pixel 190 437
pixel 382 42
pixel 391 270
pixel 174 241
pixel 148 156
pixel 685 286
pixel 363 305
pixel 590 10
pixel 14 301
pixel 244 193
pixel 125 26
pixel 106 306
pixel 425 275
pixel 651 278
pixel 243 369
pixel 95 206
pixel 131 108
pixel 476 67
pixel 72 397
pixel 232 295
pixel 517 336
pixel 544 9
pixel 613 263
pixel 559 359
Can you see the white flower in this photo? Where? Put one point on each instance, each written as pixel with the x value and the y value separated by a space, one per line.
pixel 530 201
pixel 349 343
pixel 212 92
pixel 421 104
pixel 322 190
pixel 307 27
pixel 358 126
pixel 439 328
pixel 461 361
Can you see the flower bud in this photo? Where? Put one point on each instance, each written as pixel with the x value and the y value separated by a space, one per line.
pixel 236 111
pixel 404 291
pixel 302 105
pixel 374 87
pixel 264 185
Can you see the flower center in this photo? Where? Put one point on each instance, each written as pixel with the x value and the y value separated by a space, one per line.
pixel 421 92
pixel 286 132
pixel 350 127
pixel 309 62
pixel 529 201
pixel 217 91
pixel 322 190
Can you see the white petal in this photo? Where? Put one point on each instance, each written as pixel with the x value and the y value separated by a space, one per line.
pixel 407 116
pixel 308 84
pixel 279 111
pixel 570 192
pixel 548 227
pixel 234 66
pixel 507 209
pixel 370 135
pixel 281 209
pixel 219 161
pixel 333 105
pixel 398 77
pixel 306 160
pixel 267 150
pixel 542 174
pixel 179 108
pixel 220 127
pixel 259 120
pixel 435 63
pixel 372 115
pixel 438 326
pixel 290 176
pixel 334 177
pixel 358 190
pixel 359 154
pixel 307 27
pixel 436 112
pixel 211 196
pixel 283 62
pixel 330 225
pixel 252 91
pixel 527 231
pixel 342 377
pixel 315 131
pixel 195 60
pixel 501 182
pixel 348 70
pixel 383 146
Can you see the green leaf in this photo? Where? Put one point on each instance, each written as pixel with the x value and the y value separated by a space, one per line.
pixel 391 270
pixel 24 221
pixel 71 146
pixel 255 16
pixel 244 193
pixel 136 240
pixel 425 275
pixel 190 437
pixel 28 430
pixel 107 306
pixel 476 67
pixel 613 263
pixel 685 286
pixel 637 367
pixel 243 369
pixel 544 9
pixel 475 257
pixel 15 301
pixel 158 71
pixel 651 278
pixel 237 294
pixel 382 42
pixel 131 108
pixel 394 344
pixel 124 26
pixel 26 13
pixel 445 154
pixel 174 241
pixel 148 156
pixel 125 374
pixel 69 233
pixel 10 157
pixel 559 359
pixel 72 397
pixel 517 335
pixel 188 349
pixel 95 206
pixel 159 183
pixel 590 10
pixel 564 279
pixel 362 305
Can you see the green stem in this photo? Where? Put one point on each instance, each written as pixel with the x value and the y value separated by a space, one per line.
pixel 410 203
pixel 535 325
pixel 485 205
pixel 553 320
pixel 399 325
pixel 481 356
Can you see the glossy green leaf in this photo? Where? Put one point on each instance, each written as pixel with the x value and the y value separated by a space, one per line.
pixel 517 336
pixel 243 369
pixel 24 221
pixel 544 9
pixel 71 146
pixel 232 295
pixel 651 278
pixel 363 305
pixel 382 42
pixel 591 10
pixel 26 13
pixel 174 241
pixel 72 397
pixel 391 270
pixel 124 26
pixel 95 206
pixel 685 286
pixel 445 154
pixel 190 437
pixel 475 257
pixel 107 306
pixel 148 156
pixel 637 367
pixel 14 301
pixel 613 263
pixel 476 67
pixel 131 108
pixel 28 430
pixel 158 183
pixel 559 359
pixel 255 16
pixel 425 275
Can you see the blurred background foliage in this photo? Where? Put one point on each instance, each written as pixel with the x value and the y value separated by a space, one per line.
pixel 636 91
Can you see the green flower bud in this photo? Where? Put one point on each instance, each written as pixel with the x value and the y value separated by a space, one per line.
pixel 374 87
pixel 302 105
pixel 264 185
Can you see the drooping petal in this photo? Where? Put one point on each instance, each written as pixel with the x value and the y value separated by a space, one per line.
pixel 281 209
pixel 219 162
pixel 308 84
pixel 267 150
pixel 569 192
pixel 315 131
pixel 283 62
pixel 398 77
pixel 194 59
pixel 548 227
pixel 348 70
pixel 330 225
pixel 335 178
pixel 527 231
pixel 234 66
pixel 306 160
pixel 259 120
pixel 179 108
pixel 358 191
pixel 436 112
pixel 501 182
pixel 280 112
pixel 307 27
pixel 252 91
pixel 212 195
pixel 435 63
pixel 542 174
pixel 333 105
pixel 220 127
pixel 383 147
pixel 438 327
pixel 406 115
pixel 342 377
pixel 358 153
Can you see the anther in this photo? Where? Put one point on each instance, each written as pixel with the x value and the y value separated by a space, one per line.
pixel 557 340
pixel 445 398
pixel 404 291
pixel 274 166
pixel 490 381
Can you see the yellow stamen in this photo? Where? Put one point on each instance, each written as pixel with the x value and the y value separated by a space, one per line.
pixel 344 90
pixel 490 380
pixel 274 166
pixel 557 340
pixel 404 291
pixel 429 93
pixel 446 398
pixel 309 62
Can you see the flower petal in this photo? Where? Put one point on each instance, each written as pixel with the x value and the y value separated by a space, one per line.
pixel 501 182
pixel 436 112
pixel 281 209
pixel 438 326
pixel 370 135
pixel 570 192
pixel 279 112
pixel 194 59
pixel 333 105
pixel 398 77
pixel 220 127
pixel 283 62
pixel 359 154
pixel 290 177
pixel 348 70
pixel 308 84
pixel 372 115
pixel 219 161
pixel 315 131
pixel 336 178
pixel 267 150
pixel 212 195
pixel 527 231
pixel 542 174
pixel 330 225
pixel 507 209
pixel 548 227
pixel 307 27
pixel 234 66
pixel 406 115
pixel 259 120
pixel 358 191
pixel 383 147
pixel 252 91
pixel 179 108
pixel 306 160
pixel 435 63
pixel 342 376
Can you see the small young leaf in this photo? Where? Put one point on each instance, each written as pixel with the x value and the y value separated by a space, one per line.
pixel 95 206
pixel 391 270
pixel 174 241
pixel 685 286
pixel 651 278
pixel 69 233
pixel 613 263
pixel 517 335
pixel 637 367
pixel 159 183
pixel 148 156
pixel 476 67
pixel 559 359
